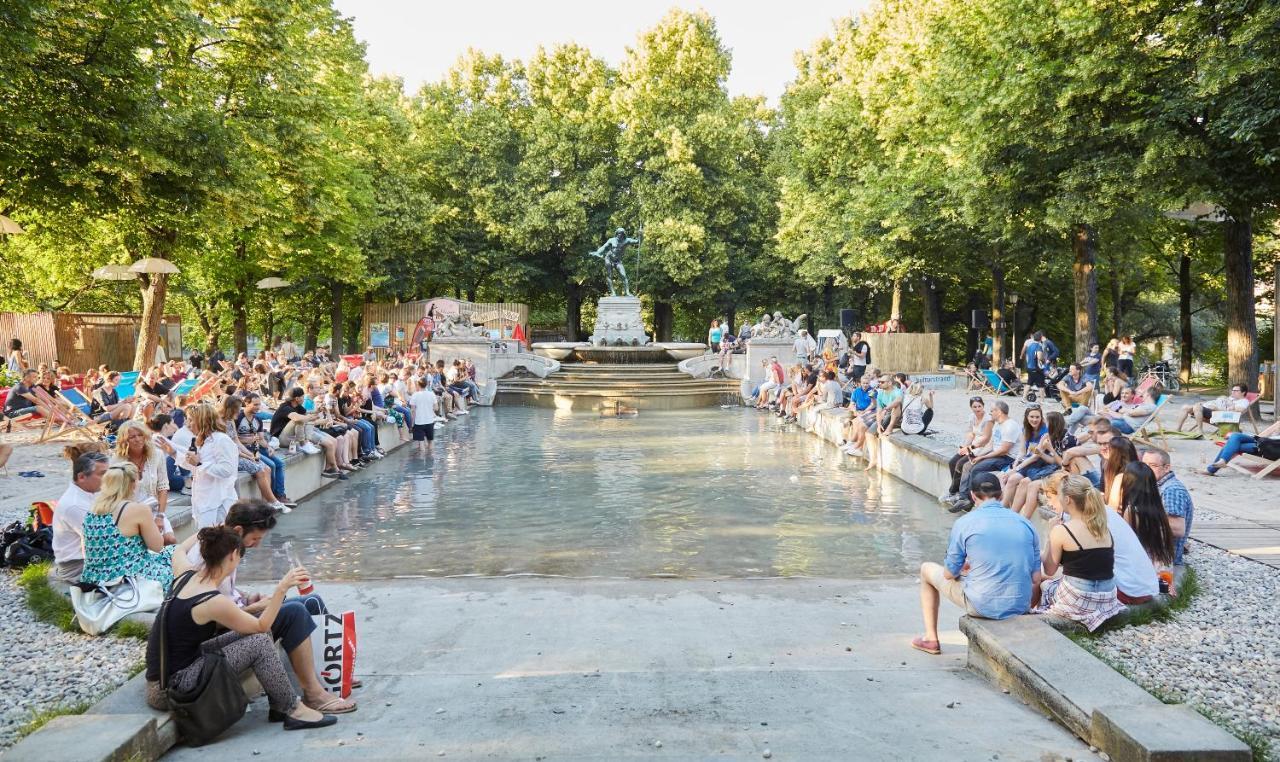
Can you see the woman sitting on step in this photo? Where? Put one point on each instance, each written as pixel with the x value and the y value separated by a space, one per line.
pixel 1081 545
pixel 123 537
pixel 197 609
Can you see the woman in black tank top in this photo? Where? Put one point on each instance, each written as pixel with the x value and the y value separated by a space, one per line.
pixel 191 619
pixel 1085 553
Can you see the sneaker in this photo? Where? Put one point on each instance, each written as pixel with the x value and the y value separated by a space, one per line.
pixel 330 474
pixel 960 506
pixel 464 412
pixel 286 502
pixel 311 449
pixel 281 507
pixel 342 477
pixel 947 498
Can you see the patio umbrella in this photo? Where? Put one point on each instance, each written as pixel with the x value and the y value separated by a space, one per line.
pixel 113 272
pixel 9 227
pixel 154 266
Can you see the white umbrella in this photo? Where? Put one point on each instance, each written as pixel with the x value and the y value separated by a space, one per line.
pixel 113 272
pixel 154 266
pixel 9 227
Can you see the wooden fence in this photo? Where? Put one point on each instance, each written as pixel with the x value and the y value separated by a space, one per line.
pixel 904 352
pixel 84 340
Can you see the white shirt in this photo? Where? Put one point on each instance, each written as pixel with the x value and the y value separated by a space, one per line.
pixel 1135 574
pixel 68 524
pixel 181 441
pixel 423 404
pixel 213 484
pixel 356 373
pixel 1009 431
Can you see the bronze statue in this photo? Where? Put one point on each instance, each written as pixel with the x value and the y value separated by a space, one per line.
pixel 611 251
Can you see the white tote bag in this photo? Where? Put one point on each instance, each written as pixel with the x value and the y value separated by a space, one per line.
pixel 101 607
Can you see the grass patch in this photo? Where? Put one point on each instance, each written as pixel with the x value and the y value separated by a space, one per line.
pixel 54 608
pixel 41 718
pixel 1188 589
pixel 48 605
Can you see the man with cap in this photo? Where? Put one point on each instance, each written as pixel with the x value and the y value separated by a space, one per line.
pixel 991 557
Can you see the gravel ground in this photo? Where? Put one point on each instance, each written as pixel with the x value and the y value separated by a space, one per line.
pixel 1221 653
pixel 45 667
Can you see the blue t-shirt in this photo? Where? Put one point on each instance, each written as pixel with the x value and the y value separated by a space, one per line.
pixel 1093 369
pixel 1051 351
pixel 716 333
pixel 1002 552
pixel 886 398
pixel 862 398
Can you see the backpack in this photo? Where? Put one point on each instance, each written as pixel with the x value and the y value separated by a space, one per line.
pixel 1269 447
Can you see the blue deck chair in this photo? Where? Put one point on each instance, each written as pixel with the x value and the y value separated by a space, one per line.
pixel 185 386
pixel 74 396
pixel 128 385
pixel 997 384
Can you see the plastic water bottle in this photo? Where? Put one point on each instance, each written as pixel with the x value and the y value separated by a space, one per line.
pixel 306 588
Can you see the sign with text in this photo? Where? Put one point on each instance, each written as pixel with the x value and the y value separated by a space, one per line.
pixel 936 380
pixel 334 641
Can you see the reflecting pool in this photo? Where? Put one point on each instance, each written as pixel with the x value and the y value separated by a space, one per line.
pixel 694 493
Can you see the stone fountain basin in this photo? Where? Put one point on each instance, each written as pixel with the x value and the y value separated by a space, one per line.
pixel 557 350
pixel 682 350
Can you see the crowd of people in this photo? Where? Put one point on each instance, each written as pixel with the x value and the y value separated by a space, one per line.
pixel 242 417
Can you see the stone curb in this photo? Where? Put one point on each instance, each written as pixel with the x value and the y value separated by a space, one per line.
pixel 1040 665
pixel 121 726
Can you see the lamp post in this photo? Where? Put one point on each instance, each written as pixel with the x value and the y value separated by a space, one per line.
pixel 1013 327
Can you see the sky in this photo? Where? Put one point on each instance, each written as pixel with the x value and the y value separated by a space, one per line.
pixel 420 39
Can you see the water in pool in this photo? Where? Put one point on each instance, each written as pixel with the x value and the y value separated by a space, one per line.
pixel 696 493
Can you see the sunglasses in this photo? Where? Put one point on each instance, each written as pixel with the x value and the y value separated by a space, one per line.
pixel 975 401
pixel 1033 406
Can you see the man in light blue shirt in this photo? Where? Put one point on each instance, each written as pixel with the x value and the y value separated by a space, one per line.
pixel 991 557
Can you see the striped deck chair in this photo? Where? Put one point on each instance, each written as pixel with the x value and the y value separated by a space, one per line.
pixel 1140 434
pixel 64 418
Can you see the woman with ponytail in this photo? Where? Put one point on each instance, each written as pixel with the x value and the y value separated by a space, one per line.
pixel 1081 545
pixel 121 538
pixel 194 615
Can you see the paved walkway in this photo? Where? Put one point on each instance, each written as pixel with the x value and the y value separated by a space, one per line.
pixel 603 669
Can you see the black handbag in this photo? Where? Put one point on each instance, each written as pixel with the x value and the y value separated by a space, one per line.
pixel 215 702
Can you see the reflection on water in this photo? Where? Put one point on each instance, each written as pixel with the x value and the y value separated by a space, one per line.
pixel 701 493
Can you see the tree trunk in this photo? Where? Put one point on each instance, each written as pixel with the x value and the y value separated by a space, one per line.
pixel 1084 244
pixel 572 310
pixel 895 308
pixel 1242 328
pixel 336 318
pixel 971 333
pixel 1184 316
pixel 1117 302
pixel 268 326
pixel 931 302
pixel 731 314
pixel 154 290
pixel 310 335
pixel 663 320
pixel 997 314
pixel 828 298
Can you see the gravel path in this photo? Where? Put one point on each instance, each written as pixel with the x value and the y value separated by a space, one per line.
pixel 45 667
pixel 1221 652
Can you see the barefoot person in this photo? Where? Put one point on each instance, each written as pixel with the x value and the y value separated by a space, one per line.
pixel 991 558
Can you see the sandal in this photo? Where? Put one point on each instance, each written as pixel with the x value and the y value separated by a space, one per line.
pixel 334 705
pixel 928 646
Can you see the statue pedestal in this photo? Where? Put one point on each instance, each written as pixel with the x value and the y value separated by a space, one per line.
pixel 759 350
pixel 618 322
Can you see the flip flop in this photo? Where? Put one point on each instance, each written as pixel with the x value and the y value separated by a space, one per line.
pixel 928 646
pixel 335 705
pixel 31 474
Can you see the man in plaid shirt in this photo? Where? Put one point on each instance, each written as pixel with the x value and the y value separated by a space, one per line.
pixel 1177 500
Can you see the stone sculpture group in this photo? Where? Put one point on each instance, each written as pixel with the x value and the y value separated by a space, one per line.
pixel 777 327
